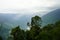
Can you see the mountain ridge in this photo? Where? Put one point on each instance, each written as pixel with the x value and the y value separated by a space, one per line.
pixel 51 17
pixel 9 23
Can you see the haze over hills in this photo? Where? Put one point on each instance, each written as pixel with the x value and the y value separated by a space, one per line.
pixel 12 20
pixel 51 17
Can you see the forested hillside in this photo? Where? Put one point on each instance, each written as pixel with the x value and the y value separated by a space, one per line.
pixel 48 32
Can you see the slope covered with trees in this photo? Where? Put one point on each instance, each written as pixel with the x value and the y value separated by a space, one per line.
pixel 51 17
pixel 48 32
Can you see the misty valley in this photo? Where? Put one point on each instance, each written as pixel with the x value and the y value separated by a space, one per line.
pixel 28 27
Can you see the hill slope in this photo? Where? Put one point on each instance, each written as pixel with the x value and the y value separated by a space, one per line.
pixel 51 17
pixel 12 20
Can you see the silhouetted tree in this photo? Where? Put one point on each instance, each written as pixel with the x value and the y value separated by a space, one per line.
pixel 1 38
pixel 35 28
pixel 36 21
pixel 47 28
pixel 17 33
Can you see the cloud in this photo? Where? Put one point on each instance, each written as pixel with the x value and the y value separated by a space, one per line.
pixel 28 6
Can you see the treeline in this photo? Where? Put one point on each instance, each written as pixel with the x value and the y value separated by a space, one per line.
pixel 36 32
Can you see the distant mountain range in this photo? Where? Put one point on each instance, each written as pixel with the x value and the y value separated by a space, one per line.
pixel 51 17
pixel 12 20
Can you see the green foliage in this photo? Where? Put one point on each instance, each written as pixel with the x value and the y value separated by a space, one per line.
pixel 56 31
pixel 34 32
pixel 17 33
pixel 48 27
pixel 48 32
pixel 57 24
pixel 43 36
pixel 10 38
pixel 1 38
pixel 28 36
pixel 35 27
pixel 36 21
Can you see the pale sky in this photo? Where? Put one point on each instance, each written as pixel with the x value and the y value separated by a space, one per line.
pixel 28 6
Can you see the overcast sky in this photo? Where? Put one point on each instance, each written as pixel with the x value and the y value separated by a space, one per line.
pixel 28 6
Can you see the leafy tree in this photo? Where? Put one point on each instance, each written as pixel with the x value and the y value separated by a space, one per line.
pixel 28 36
pixel 55 32
pixel 36 21
pixel 35 27
pixel 0 30
pixel 43 36
pixel 47 28
pixel 10 38
pixel 17 33
pixel 57 24
pixel 1 38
